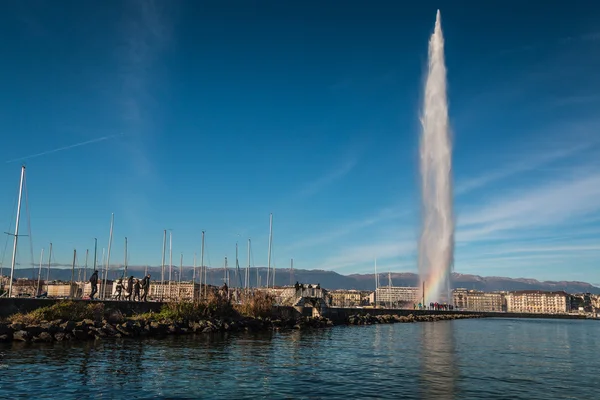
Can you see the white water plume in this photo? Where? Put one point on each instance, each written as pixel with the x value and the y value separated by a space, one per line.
pixel 436 246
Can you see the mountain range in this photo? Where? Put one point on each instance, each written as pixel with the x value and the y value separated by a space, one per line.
pixel 327 279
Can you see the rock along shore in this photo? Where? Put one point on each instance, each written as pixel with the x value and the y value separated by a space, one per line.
pixel 61 330
pixel 87 329
pixel 368 319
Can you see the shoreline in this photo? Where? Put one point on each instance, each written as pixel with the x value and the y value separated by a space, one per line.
pixel 61 330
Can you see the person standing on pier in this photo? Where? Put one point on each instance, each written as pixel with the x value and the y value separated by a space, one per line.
pixel 118 289
pixel 136 290
pixel 145 287
pixel 94 284
pixel 129 288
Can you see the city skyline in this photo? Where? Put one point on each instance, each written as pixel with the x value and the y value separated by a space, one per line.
pixel 191 118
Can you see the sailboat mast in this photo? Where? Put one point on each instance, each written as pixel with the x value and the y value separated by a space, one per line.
pixel 237 266
pixel 390 288
pixel 180 273
pixel 125 261
pixel 225 273
pixel 87 253
pixel 71 291
pixel 49 261
pixel 248 267
pixel 112 222
pixel 291 271
pixel 203 267
pixel 14 255
pixel 194 270
pixel 270 242
pixel 162 265
pixel 37 291
pixel 95 252
pixel 376 281
pixel 170 259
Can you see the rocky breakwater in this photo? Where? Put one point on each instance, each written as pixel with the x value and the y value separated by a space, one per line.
pixel 87 329
pixel 368 319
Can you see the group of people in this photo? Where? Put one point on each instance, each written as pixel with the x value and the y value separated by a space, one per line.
pixel 303 286
pixel 435 306
pixel 138 288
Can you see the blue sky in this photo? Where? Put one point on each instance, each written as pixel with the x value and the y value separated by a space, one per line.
pixel 215 114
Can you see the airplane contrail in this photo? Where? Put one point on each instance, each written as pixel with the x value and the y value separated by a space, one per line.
pixel 65 148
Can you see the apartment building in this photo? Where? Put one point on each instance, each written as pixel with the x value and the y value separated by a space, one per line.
pixel 174 291
pixel 348 298
pixel 60 289
pixel 536 301
pixel 397 296
pixel 475 300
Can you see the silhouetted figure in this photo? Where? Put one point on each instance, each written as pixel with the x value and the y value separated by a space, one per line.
pixel 94 284
pixel 225 290
pixel 136 290
pixel 318 286
pixel 118 289
pixel 129 288
pixel 297 286
pixel 145 287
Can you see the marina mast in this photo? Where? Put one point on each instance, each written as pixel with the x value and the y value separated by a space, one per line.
pixel 16 235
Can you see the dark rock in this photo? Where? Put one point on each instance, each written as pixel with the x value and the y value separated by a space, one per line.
pixel 68 326
pixel 109 330
pixel 50 327
pixel 124 329
pixel 62 336
pixel 17 326
pixel 6 338
pixel 22 336
pixel 34 330
pixel 5 329
pixel 115 316
pixel 81 334
pixel 43 337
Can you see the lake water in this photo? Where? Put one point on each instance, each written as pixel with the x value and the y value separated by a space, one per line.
pixel 463 359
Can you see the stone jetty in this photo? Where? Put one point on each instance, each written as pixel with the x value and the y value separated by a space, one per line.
pixel 87 329
pixel 367 319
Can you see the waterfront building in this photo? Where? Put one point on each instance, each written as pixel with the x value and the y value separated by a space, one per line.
pixel 86 288
pixel 348 298
pixel 397 296
pixel 23 287
pixel 537 301
pixel 475 300
pixel 595 301
pixel 287 295
pixel 175 291
pixel 62 289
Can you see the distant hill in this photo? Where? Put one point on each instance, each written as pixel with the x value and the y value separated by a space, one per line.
pixel 333 280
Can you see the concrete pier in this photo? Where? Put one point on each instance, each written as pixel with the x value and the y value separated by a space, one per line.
pixel 10 306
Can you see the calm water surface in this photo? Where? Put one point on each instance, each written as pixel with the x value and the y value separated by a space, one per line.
pixel 467 359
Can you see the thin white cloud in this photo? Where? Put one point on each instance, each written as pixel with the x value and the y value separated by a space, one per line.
pixel 327 236
pixel 532 162
pixel 362 257
pixel 330 177
pixel 549 204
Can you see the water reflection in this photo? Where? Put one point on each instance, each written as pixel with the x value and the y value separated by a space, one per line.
pixel 497 359
pixel 439 368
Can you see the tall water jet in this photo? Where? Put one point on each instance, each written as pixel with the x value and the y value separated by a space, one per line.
pixel 436 245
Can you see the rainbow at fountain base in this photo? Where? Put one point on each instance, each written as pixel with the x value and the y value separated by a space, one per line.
pixel 436 286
